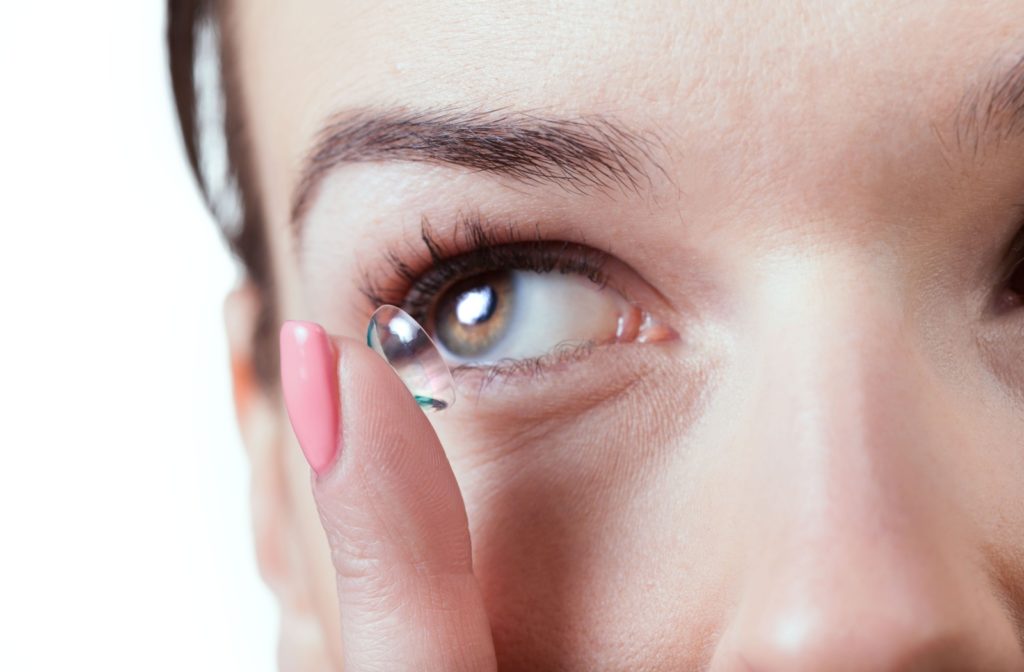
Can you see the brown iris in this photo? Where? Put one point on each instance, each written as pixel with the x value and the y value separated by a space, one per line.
pixel 473 314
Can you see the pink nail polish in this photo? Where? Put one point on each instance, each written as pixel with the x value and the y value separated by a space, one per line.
pixel 310 384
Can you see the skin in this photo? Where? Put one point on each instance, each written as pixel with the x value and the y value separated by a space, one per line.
pixel 823 472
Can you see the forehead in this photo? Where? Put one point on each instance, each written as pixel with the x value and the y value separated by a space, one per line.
pixel 741 88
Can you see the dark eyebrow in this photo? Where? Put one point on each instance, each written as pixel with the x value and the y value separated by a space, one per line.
pixel 575 153
pixel 992 110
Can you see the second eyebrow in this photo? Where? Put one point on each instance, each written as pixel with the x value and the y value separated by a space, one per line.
pixel 574 153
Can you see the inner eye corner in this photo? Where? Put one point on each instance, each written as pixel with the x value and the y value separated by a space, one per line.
pixel 1008 294
pixel 1007 301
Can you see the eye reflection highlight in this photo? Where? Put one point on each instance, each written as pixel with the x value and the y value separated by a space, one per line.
pixel 405 345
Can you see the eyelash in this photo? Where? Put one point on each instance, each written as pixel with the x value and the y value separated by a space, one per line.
pixel 475 246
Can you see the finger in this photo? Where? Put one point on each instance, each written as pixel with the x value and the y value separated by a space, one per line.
pixel 391 507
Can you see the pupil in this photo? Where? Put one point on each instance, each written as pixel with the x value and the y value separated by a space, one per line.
pixel 476 305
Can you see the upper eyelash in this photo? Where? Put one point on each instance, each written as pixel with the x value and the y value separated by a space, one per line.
pixel 476 245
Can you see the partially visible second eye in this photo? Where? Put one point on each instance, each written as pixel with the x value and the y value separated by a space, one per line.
pixel 1016 284
pixel 518 314
pixel 1011 296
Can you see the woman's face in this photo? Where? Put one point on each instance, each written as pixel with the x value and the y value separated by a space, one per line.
pixel 798 435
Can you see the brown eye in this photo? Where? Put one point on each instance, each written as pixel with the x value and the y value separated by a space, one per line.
pixel 516 314
pixel 473 315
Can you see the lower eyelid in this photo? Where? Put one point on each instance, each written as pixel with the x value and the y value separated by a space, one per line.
pixel 529 367
pixel 647 331
pixel 577 375
pixel 603 374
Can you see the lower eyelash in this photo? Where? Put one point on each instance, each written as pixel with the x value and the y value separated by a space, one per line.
pixel 530 367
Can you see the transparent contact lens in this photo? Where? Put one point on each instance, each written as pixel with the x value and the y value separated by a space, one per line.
pixel 405 345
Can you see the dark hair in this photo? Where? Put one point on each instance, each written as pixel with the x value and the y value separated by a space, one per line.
pixel 242 224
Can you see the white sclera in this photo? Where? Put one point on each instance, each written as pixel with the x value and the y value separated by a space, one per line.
pixel 405 345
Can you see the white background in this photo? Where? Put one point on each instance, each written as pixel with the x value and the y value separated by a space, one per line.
pixel 124 525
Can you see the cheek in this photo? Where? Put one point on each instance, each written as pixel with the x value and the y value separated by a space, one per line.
pixel 570 504
pixel 991 476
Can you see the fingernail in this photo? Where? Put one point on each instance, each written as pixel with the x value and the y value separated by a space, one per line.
pixel 310 384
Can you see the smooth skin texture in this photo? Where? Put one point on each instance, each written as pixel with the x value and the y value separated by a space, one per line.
pixel 825 471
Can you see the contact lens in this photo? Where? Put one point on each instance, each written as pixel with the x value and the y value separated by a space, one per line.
pixel 405 345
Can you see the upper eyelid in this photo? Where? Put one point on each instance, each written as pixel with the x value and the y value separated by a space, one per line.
pixel 471 231
pixel 388 277
pixel 545 257
pixel 370 286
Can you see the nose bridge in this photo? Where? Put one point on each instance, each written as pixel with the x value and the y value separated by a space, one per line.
pixel 842 398
pixel 842 414
pixel 846 446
